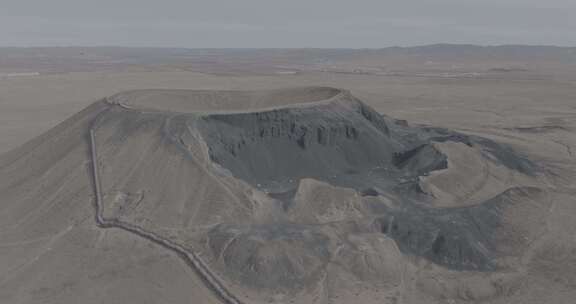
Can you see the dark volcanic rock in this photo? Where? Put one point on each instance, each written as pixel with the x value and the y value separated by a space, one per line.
pixel 348 144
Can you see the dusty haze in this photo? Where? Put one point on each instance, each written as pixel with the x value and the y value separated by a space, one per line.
pixel 278 24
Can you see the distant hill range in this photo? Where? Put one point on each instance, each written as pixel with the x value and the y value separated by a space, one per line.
pixel 471 58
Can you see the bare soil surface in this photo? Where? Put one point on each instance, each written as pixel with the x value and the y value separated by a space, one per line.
pixel 309 188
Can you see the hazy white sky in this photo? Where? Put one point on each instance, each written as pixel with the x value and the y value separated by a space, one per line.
pixel 286 23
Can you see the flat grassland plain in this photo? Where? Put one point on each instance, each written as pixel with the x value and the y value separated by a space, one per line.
pixel 524 97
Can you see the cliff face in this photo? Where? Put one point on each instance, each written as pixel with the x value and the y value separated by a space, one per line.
pixel 273 150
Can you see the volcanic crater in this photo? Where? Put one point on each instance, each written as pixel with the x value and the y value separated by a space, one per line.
pixel 278 192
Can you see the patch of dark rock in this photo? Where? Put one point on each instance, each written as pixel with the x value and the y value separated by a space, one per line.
pixel 421 160
pixel 369 192
pixel 445 237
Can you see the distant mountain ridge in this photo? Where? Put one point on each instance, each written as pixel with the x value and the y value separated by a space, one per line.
pixel 210 60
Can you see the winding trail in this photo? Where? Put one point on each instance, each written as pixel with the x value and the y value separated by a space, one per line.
pixel 211 280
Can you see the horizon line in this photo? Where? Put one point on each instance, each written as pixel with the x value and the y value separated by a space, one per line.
pixel 288 48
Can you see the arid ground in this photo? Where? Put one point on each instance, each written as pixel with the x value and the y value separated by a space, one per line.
pixel 442 174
